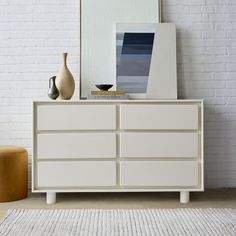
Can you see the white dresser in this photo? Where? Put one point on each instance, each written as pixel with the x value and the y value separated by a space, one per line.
pixel 118 146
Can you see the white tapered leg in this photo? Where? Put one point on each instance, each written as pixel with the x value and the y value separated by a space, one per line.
pixel 184 196
pixel 51 197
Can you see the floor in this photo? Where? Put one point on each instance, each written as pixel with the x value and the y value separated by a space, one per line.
pixel 220 198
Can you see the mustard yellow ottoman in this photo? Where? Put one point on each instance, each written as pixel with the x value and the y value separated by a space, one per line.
pixel 13 173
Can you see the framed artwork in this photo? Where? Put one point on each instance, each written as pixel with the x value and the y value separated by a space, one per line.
pixel 146 60
pixel 98 47
pixel 134 47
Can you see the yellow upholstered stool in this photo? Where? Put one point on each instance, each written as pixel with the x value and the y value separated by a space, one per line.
pixel 13 173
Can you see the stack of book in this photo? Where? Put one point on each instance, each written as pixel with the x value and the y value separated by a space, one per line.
pixel 106 95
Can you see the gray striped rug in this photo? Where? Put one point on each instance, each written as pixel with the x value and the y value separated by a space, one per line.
pixel 119 222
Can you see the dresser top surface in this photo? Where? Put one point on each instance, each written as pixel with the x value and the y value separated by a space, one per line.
pixel 117 101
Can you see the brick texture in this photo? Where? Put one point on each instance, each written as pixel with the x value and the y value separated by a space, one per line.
pixel 34 33
pixel 206 39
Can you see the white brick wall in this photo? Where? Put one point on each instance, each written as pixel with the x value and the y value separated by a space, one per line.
pixel 206 38
pixel 34 33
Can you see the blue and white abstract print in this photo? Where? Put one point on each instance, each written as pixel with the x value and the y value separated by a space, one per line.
pixel 133 59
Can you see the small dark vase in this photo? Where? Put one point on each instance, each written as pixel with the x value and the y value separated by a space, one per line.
pixel 53 92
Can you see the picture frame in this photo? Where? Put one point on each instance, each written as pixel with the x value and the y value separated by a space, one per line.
pixel 146 60
pixel 97 19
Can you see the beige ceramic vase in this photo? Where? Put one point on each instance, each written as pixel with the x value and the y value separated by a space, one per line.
pixel 65 81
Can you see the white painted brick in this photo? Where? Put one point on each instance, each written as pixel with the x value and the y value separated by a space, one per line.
pixel 231 84
pixel 201 75
pixel 202 9
pixel 191 2
pixel 232 116
pixel 228 26
pixel 225 75
pixel 217 2
pixel 225 9
pixel 191 51
pixel 219 166
pixel 231 50
pixel 220 18
pixel 224 109
pixel 231 2
pixel 193 84
pixel 232 100
pixel 231 34
pixel 170 2
pixel 215 101
pixel 175 9
pixel 216 50
pixel 198 18
pixel 225 92
pixel 214 34
pixel 225 59
pixel 231 67
pixel 201 59
pixel 231 42
pixel 203 26
pixel 206 43
pixel 200 93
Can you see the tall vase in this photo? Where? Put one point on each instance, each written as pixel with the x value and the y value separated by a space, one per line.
pixel 65 81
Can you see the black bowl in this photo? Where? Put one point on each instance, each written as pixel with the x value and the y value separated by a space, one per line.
pixel 104 87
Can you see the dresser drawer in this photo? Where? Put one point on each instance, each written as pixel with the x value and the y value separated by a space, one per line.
pixel 159 173
pixel 179 145
pixel 76 117
pixel 159 116
pixel 76 173
pixel 76 145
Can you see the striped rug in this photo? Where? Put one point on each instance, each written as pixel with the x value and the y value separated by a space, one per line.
pixel 148 222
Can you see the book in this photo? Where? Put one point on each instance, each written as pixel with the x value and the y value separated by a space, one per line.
pixel 108 97
pixel 114 92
